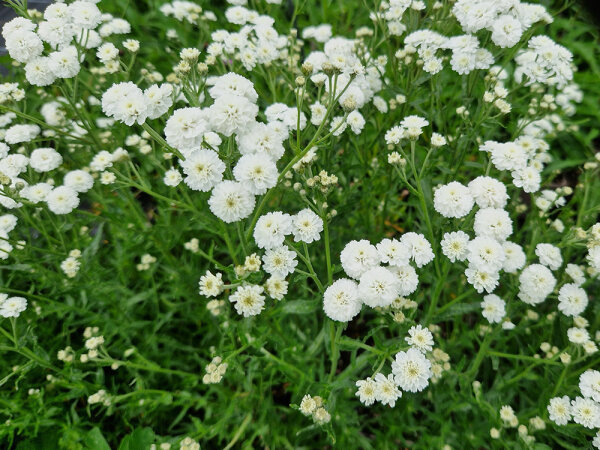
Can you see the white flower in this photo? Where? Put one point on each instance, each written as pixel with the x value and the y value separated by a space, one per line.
pixel 420 338
pixel 357 257
pixel 589 384
pixel 514 257
pixel 578 335
pixel 232 84
pixel 576 274
pixel 231 201
pixel 276 287
pixel 485 253
pixel 507 156
pixel 572 300
pixel 271 229
pixel 481 279
pixel 308 405
pixel 45 159
pixel 411 370
pixel 21 133
pixel 78 180
pixel 23 46
pixel 454 245
pixel 126 103
pixel 549 255
pixel 248 300
pixel 506 31
pixel 407 279
pixel 62 200
pixel 158 99
pixel 493 308
pixel 258 172
pixel 204 170
pixel 536 283
pixel 488 192
pixel 306 226
pixel 232 114
pixel 494 223
pixel 453 200
pixel 393 252
pixel 263 139
pixel 38 71
pixel 378 287
pixel 85 14
pixel 414 125
pixel 172 177
pixel 186 127
pixel 101 161
pixel 585 412
pixel 528 178
pixel 37 192
pixel 8 222
pixel 341 301
pixel 279 261
pixel 210 285
pixel 366 391
pixel 559 410
pixel 419 248
pixel 12 306
pixel 386 390
pixel 356 121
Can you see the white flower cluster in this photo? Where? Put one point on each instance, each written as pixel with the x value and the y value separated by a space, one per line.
pixel 256 43
pixel 524 158
pixel 128 104
pixel 506 20
pixel 188 11
pixel 377 286
pixel 64 28
pixel 584 410
pixel 411 372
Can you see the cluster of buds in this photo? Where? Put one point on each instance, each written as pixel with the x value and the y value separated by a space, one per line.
pixel 251 264
pixel 92 343
pixel 440 363
pixel 399 304
pixel 66 354
pixel 313 407
pixel 141 142
pixel 214 371
pixel 186 444
pixel 145 262
pixel 397 101
pixel 99 397
pixel 216 307
pixel 193 245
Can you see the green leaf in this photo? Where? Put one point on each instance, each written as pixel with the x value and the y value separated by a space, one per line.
pixel 94 440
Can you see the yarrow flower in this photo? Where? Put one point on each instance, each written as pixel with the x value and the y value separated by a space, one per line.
pixel 341 300
pixel 248 300
pixel 411 370
pixel 420 338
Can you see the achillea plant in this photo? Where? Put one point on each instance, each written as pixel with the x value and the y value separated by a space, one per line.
pixel 299 225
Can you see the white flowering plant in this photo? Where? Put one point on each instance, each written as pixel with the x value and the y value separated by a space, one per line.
pixel 299 224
